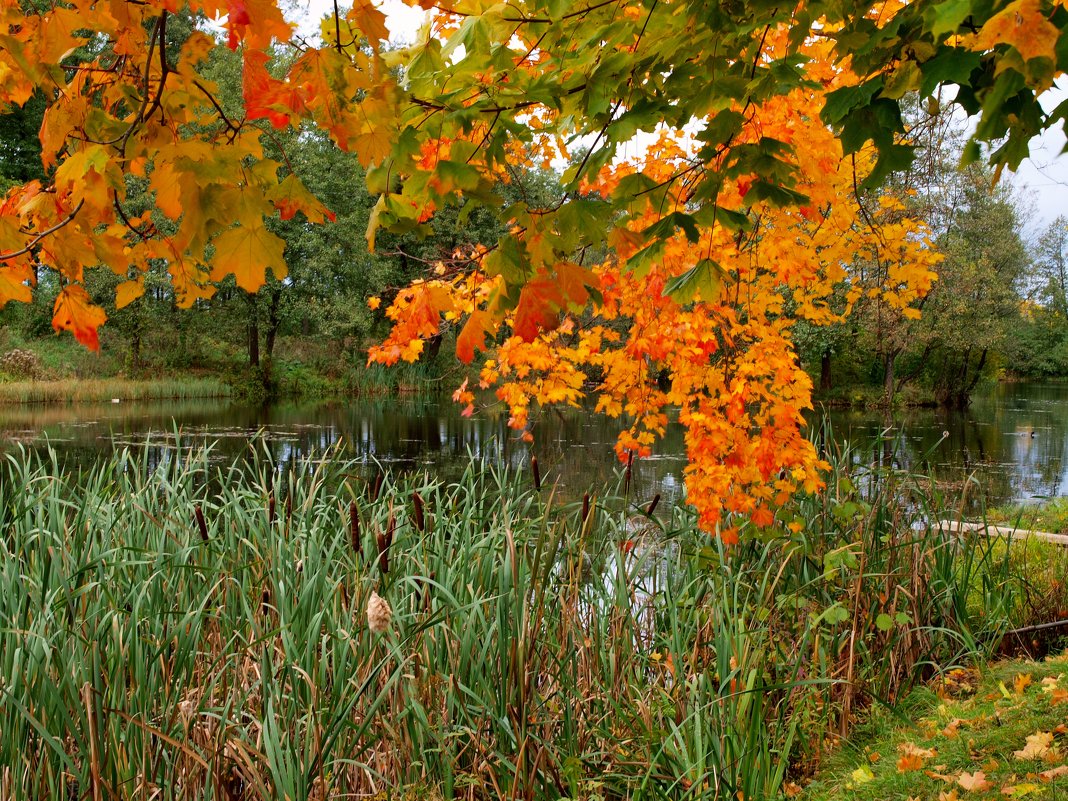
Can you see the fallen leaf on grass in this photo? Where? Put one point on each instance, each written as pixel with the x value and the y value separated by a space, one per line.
pixel 1020 790
pixel 952 728
pixel 1021 682
pixel 941 776
pixel 950 796
pixel 1049 684
pixel 791 789
pixel 973 781
pixel 862 775
pixel 912 757
pixel 1037 746
pixel 1053 773
pixel 909 762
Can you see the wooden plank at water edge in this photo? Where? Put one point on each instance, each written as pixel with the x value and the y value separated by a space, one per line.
pixel 1003 531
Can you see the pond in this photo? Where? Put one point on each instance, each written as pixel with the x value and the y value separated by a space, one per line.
pixel 1012 441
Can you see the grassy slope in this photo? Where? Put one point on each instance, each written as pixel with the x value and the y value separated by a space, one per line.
pixel 970 721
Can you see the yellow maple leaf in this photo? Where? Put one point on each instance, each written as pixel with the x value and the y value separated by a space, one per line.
pixel 128 291
pixel 247 253
pixel 1023 26
pixel 1021 682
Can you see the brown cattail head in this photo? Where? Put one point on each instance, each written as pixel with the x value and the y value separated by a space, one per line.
pixel 537 472
pixel 270 508
pixel 376 486
pixel 420 517
pixel 384 541
pixel 202 525
pixel 630 467
pixel 354 529
pixel 289 507
pixel 379 614
pixel 383 552
pixel 585 506
pixel 391 529
pixel 652 505
pixel 265 602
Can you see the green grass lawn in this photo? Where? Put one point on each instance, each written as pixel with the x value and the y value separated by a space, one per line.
pixel 999 731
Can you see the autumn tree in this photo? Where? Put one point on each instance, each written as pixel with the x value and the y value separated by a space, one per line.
pixel 694 257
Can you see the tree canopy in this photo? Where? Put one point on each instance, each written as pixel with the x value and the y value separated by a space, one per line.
pixel 668 274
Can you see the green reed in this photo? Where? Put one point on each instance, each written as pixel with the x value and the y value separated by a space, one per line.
pixel 148 650
pixel 72 390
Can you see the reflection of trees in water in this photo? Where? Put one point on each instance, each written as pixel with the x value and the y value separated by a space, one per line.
pixel 991 442
pixel 574 447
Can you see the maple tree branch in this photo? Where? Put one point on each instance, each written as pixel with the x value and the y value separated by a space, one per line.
pixel 126 220
pixel 164 67
pixel 337 27
pixel 218 108
pixel 125 138
pixel 47 232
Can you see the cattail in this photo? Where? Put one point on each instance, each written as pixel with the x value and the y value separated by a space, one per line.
pixel 585 506
pixel 630 466
pixel 420 518
pixel 376 486
pixel 201 523
pixel 354 529
pixel 537 472
pixel 289 507
pixel 652 505
pixel 270 509
pixel 265 601
pixel 379 615
pixel 384 541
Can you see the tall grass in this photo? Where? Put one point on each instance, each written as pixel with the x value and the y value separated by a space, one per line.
pixel 151 650
pixel 72 390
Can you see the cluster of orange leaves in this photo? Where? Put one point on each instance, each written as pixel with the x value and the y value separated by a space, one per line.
pixel 733 377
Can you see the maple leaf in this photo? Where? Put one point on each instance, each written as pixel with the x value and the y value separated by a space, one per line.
pixel 290 196
pixel 74 311
pixel 975 782
pixel 247 253
pixel 1023 25
pixel 1053 773
pixel 128 291
pixel 14 283
pixel 473 335
pixel 1036 747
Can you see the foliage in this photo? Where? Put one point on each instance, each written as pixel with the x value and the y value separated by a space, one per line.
pixel 193 628
pixel 712 233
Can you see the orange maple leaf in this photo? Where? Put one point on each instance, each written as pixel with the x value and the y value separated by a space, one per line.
pixel 75 311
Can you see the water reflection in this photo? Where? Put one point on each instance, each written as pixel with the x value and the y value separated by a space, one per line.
pixel 1012 440
pixel 574 448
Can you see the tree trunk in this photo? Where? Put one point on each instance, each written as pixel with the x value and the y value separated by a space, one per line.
pixel 889 361
pixel 253 333
pixel 273 321
pixel 825 371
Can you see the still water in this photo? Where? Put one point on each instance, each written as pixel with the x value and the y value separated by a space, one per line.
pixel 1012 441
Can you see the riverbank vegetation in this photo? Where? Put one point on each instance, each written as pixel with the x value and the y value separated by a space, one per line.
pixel 192 629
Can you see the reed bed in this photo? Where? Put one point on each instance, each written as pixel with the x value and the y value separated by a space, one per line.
pixel 74 390
pixel 180 630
